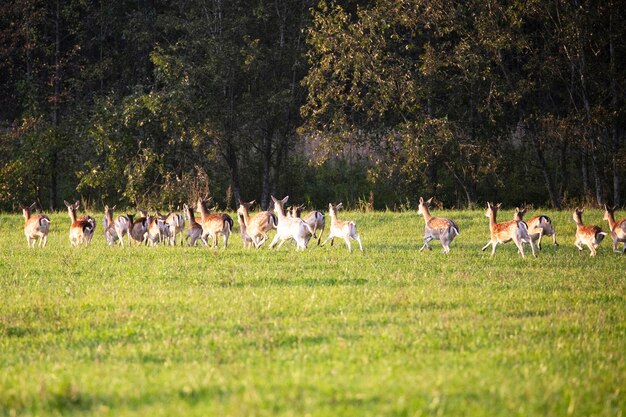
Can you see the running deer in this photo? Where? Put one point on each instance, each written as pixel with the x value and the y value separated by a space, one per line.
pixel 591 236
pixel 214 224
pixel 81 229
pixel 139 227
pixel 437 228
pixel 194 232
pixel 115 228
pixel 618 229
pixel 289 227
pixel 258 225
pixel 538 226
pixel 517 231
pixel 36 226
pixel 315 219
pixel 176 224
pixel 158 230
pixel 245 237
pixel 341 228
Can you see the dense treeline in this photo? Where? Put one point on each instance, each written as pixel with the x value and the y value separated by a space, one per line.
pixel 155 103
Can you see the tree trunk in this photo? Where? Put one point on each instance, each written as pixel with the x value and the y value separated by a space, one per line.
pixel 585 175
pixel 554 197
pixel 596 176
pixel 55 108
pixel 614 106
pixel 233 166
pixel 267 165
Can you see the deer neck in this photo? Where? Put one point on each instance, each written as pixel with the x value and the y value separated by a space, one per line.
pixel 611 220
pixel 427 215
pixel 492 221
pixel 72 213
pixel 26 214
pixel 110 217
pixel 246 216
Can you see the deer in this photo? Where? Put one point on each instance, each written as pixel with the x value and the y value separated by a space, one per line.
pixel 538 227
pixel 176 224
pixel 138 228
pixel 194 232
pixel 258 225
pixel 245 237
pixel 436 228
pixel 341 228
pixel 590 236
pixel 517 231
pixel 214 224
pixel 81 229
pixel 289 227
pixel 36 226
pixel 618 229
pixel 115 229
pixel 158 230
pixel 315 219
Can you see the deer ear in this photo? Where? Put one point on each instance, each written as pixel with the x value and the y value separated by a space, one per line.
pixel 430 200
pixel 77 204
pixel 66 203
pixel 284 200
pixel 274 199
pixel 421 200
pixel 251 202
pixel 498 205
pixel 339 206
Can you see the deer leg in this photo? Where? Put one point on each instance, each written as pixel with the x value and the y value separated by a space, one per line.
pixel 330 237
pixel 347 240
pixel 486 246
pixel 358 239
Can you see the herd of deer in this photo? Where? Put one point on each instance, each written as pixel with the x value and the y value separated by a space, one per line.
pixel 289 225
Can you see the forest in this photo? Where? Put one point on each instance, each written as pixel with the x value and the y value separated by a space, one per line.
pixel 155 103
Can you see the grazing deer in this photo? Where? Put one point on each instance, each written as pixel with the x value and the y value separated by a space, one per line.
pixel 139 227
pixel 289 227
pixel 437 228
pixel 214 224
pixel 158 230
pixel 591 236
pixel 517 231
pixel 36 226
pixel 315 219
pixel 194 232
pixel 81 229
pixel 176 224
pixel 341 228
pixel 258 225
pixel 618 229
pixel 538 226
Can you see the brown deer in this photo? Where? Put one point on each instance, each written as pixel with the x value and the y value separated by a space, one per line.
pixel 437 228
pixel 504 232
pixel 158 230
pixel 214 224
pixel 591 236
pixel 138 228
pixel 36 226
pixel 538 227
pixel 341 228
pixel 618 229
pixel 258 225
pixel 315 219
pixel 81 229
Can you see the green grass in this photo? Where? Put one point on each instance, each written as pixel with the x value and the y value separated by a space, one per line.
pixel 173 331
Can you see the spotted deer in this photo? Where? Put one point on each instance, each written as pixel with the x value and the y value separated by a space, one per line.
pixel 194 231
pixel 36 226
pixel 258 225
pixel 618 229
pixel 247 240
pixel 289 227
pixel 590 236
pixel 81 229
pixel 214 224
pixel 538 227
pixel 504 232
pixel 315 219
pixel 341 228
pixel 436 228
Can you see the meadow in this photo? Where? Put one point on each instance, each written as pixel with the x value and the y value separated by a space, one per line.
pixel 173 331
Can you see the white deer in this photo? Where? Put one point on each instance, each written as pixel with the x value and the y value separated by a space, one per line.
pixel 341 228
pixel 289 227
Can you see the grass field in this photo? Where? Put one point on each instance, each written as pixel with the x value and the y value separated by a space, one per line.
pixel 173 331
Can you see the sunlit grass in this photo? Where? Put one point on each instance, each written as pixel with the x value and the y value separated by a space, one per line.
pixel 193 331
